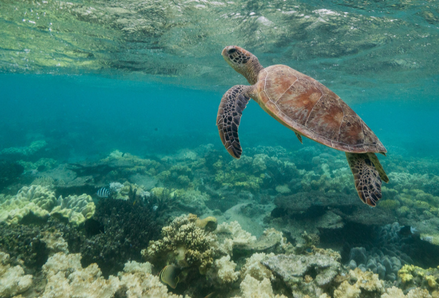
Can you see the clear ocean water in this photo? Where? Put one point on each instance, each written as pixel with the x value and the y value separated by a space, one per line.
pixel 145 79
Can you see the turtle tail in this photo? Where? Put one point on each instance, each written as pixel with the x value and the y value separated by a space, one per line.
pixel 368 175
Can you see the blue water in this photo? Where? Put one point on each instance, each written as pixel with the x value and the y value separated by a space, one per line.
pixel 90 78
pixel 89 116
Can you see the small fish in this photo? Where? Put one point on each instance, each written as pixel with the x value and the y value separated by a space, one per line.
pixel 169 275
pixel 103 193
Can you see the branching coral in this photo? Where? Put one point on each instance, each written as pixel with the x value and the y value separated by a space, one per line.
pixel 226 270
pixel 116 233
pixel 184 244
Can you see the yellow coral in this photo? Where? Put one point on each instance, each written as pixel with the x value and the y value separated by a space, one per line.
pixel 431 280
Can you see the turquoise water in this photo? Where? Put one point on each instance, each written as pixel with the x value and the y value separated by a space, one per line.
pixel 123 96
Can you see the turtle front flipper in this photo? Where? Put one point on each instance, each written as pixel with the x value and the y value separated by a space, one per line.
pixel 366 176
pixel 229 115
pixel 299 137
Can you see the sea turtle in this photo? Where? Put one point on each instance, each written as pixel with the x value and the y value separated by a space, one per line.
pixel 306 107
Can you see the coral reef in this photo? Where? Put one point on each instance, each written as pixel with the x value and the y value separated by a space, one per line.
pixel 35 200
pixel 252 288
pixel 116 233
pixel 30 150
pixel 184 244
pixel 13 280
pixel 24 243
pixel 253 266
pixel 66 278
pixel 76 209
pixel 306 274
pixel 226 269
pixel 363 284
pixel 412 276
pixel 231 236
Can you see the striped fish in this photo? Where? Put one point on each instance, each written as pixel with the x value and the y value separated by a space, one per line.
pixel 103 193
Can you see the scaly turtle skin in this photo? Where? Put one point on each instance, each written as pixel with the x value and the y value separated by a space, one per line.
pixel 309 109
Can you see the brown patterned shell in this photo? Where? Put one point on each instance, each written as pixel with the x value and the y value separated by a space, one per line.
pixel 309 108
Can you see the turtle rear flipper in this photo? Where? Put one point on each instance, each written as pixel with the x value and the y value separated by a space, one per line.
pixel 378 166
pixel 229 115
pixel 366 176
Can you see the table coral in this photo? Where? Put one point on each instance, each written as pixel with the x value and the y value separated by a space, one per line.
pixel 184 244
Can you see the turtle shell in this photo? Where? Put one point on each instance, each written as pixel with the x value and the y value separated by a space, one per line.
pixel 310 109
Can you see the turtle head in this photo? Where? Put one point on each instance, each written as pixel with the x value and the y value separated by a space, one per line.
pixel 243 62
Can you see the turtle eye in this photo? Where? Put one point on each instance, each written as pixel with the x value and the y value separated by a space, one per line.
pixel 231 51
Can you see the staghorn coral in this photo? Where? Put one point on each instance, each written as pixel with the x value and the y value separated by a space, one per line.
pixel 13 281
pixel 184 244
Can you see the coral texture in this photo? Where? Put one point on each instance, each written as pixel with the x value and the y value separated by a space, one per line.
pixel 184 244
pixel 76 209
pixel 35 199
pixel 66 278
pixel 13 281
pixel 226 269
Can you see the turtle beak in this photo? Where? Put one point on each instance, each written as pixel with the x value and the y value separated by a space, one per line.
pixel 229 50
